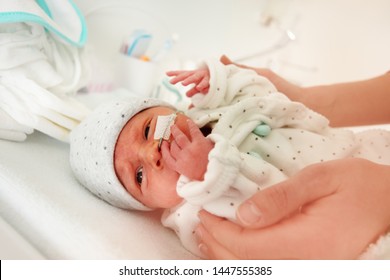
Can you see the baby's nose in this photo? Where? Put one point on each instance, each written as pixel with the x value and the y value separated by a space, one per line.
pixel 152 155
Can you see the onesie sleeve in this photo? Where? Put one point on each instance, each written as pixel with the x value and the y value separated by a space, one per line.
pixel 231 177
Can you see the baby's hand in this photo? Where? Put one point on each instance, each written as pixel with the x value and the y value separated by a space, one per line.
pixel 200 77
pixel 189 157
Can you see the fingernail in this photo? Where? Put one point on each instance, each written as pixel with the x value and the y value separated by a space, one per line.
pixel 199 234
pixel 249 213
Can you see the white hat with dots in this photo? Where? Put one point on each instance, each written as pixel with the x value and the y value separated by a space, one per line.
pixel 92 146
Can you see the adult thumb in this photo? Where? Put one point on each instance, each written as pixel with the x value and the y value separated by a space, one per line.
pixel 227 61
pixel 277 202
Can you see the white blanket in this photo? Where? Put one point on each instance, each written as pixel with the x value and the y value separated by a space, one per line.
pixel 41 199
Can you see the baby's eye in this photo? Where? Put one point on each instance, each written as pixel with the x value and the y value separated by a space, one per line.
pixel 139 175
pixel 146 132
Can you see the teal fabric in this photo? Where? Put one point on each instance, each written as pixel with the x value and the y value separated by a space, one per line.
pixel 43 5
pixel 9 17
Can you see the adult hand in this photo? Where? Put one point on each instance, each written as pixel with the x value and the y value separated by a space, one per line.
pixel 291 90
pixel 332 210
pixel 344 104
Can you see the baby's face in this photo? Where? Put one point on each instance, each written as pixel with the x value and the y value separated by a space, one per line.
pixel 139 164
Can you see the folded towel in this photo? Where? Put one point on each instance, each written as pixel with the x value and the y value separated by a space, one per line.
pixel 38 77
pixel 12 130
pixel 12 135
pixel 61 17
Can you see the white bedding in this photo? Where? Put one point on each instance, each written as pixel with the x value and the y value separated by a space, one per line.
pixel 42 201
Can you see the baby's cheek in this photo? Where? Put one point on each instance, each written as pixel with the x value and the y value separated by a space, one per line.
pixel 165 195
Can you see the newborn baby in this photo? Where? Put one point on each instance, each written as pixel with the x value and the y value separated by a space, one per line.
pixel 239 136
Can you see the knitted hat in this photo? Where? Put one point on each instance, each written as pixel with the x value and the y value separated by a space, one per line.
pixel 92 146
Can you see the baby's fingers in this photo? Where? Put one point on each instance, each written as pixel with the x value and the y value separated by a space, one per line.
pixel 174 73
pixel 180 138
pixel 192 92
pixel 168 159
pixel 193 78
pixel 178 76
pixel 204 85
pixel 194 130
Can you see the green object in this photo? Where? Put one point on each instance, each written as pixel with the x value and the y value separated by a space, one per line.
pixel 262 130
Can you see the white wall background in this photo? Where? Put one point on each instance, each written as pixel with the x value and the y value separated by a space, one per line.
pixel 336 40
pixel 344 40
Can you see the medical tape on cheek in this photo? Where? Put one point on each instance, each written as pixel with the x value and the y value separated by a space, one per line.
pixel 163 128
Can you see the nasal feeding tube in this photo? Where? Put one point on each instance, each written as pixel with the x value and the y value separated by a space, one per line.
pixel 163 128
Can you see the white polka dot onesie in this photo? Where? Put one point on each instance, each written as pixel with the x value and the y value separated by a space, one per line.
pixel 261 138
